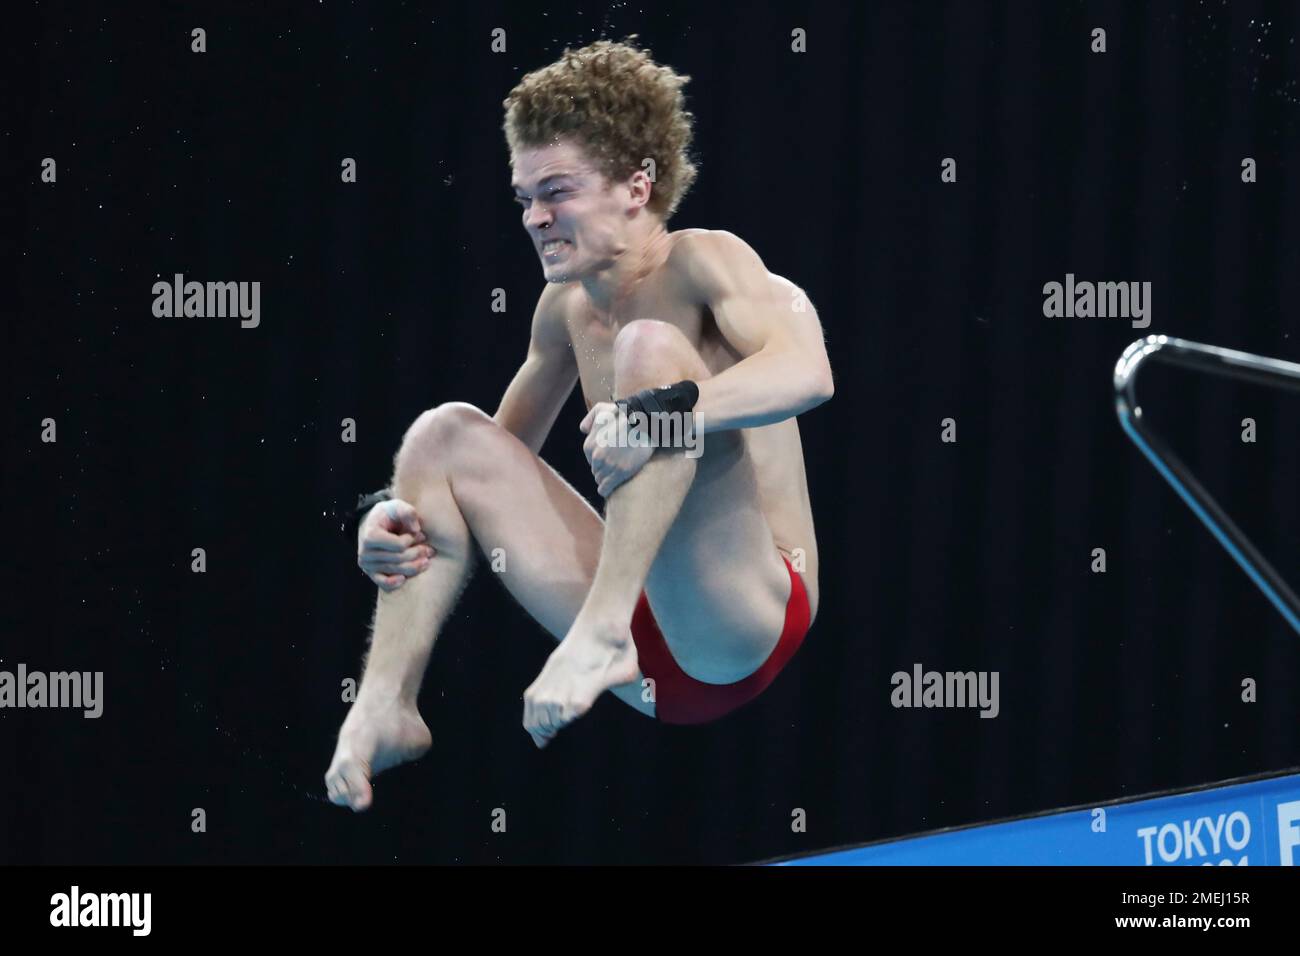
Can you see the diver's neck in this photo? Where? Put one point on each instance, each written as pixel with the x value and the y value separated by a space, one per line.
pixel 644 254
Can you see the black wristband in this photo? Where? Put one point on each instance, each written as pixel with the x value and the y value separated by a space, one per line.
pixel 679 398
pixel 364 504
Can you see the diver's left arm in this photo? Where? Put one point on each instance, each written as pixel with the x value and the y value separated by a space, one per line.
pixel 770 322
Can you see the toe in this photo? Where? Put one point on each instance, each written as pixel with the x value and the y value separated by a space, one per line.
pixel 358 789
pixel 332 789
pixel 348 785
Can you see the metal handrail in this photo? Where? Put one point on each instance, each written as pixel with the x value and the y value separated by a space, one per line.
pixel 1216 361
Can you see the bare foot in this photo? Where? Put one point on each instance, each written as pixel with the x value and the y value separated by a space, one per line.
pixel 587 662
pixel 373 739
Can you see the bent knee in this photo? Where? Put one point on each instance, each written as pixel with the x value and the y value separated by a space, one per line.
pixel 647 349
pixel 441 432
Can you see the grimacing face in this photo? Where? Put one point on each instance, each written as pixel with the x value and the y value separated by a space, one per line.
pixel 575 217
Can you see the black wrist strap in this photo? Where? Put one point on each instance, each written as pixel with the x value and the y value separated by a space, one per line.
pixel 680 398
pixel 364 504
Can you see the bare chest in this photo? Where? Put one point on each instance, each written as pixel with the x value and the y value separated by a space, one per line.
pixel 592 334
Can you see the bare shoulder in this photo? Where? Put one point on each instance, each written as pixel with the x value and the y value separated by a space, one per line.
pixel 715 263
pixel 704 251
pixel 550 318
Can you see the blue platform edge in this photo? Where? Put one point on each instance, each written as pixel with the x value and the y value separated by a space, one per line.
pixel 1233 824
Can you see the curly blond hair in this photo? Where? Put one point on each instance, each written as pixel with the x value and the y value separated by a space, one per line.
pixel 613 100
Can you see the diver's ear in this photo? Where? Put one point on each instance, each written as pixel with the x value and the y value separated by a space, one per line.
pixel 640 185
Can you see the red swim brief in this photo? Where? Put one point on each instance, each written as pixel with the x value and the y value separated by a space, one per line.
pixel 680 698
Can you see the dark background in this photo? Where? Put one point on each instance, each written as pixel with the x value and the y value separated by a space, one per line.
pixel 222 690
